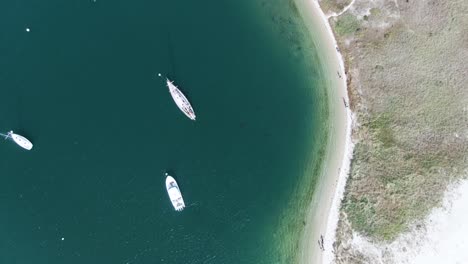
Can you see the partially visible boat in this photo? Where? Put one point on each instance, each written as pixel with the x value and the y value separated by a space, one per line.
pixel 174 193
pixel 180 99
pixel 20 140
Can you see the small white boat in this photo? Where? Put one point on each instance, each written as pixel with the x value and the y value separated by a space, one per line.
pixel 174 193
pixel 20 140
pixel 181 101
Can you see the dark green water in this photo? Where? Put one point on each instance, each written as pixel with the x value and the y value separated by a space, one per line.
pixel 82 86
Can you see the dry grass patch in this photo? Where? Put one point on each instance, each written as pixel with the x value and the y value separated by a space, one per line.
pixel 329 6
pixel 407 79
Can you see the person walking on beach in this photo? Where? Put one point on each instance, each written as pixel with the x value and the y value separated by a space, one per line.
pixel 320 242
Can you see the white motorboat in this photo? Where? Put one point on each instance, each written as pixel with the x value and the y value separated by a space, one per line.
pixel 181 101
pixel 20 140
pixel 174 193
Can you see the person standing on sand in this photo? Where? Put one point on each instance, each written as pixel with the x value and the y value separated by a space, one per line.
pixel 320 243
pixel 321 240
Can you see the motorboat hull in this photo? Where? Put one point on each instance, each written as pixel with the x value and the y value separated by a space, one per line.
pixel 174 193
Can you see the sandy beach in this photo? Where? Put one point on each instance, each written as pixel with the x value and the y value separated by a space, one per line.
pixel 392 239
pixel 323 212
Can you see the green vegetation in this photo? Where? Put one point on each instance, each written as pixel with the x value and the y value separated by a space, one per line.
pixel 362 213
pixel 411 139
pixel 375 12
pixel 334 5
pixel 381 127
pixel 408 93
pixel 346 24
pixel 393 181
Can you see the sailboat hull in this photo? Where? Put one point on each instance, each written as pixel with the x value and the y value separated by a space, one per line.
pixel 181 101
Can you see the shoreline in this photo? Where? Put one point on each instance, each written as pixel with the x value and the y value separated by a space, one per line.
pixel 323 213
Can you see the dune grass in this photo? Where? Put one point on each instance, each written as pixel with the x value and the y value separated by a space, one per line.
pixel 407 81
pixel 346 24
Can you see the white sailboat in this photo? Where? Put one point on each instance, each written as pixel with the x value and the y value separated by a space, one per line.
pixel 174 193
pixel 181 101
pixel 20 140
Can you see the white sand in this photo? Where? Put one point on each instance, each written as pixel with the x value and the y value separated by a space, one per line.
pixel 441 238
pixel 323 212
pixel 446 239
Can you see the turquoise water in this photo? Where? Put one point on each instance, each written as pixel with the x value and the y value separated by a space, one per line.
pixel 82 85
